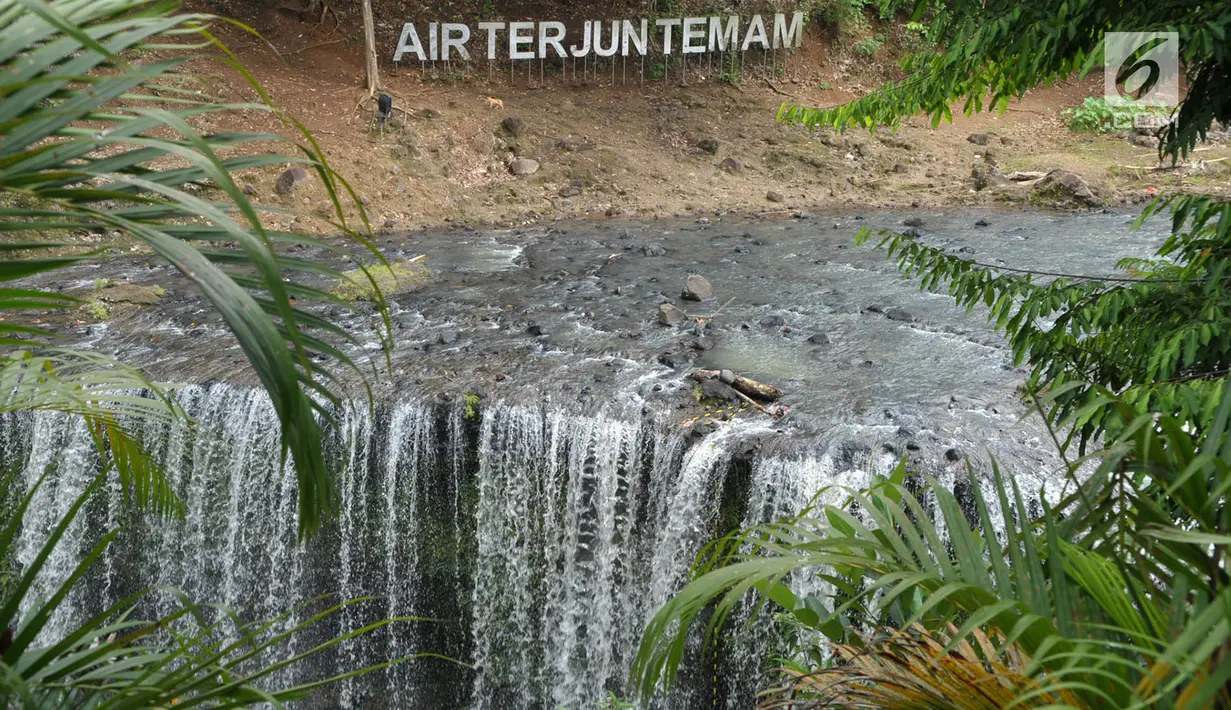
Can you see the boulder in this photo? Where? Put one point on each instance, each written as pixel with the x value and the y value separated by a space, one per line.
pixel 670 315
pixel 731 164
pixel 513 126
pixel 1063 188
pixel 984 176
pixel 900 314
pixel 716 389
pixel 775 196
pixel 523 166
pixel 289 178
pixel 977 138
pixel 653 249
pixel 913 221
pixel 697 288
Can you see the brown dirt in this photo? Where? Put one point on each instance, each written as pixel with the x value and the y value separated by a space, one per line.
pixel 632 149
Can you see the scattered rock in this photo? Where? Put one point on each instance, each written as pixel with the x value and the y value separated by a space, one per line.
pixel 709 145
pixel 513 126
pixel 774 320
pixel 775 196
pixel 900 314
pixel 977 138
pixel 898 168
pixel 731 164
pixel 983 223
pixel 447 336
pixel 818 339
pixel 570 191
pixel 954 455
pixel 984 176
pixel 670 315
pixel 524 166
pixel 912 232
pixel 396 170
pixel 913 221
pixel 677 360
pixel 697 288
pixel 1064 188
pixel 654 249
pixel 289 178
pixel 536 330
pixel 726 376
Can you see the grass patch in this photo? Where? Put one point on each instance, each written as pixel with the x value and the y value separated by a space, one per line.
pixel 397 277
pixel 96 310
pixel 471 412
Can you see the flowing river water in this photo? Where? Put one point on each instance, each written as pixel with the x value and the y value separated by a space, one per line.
pixel 525 478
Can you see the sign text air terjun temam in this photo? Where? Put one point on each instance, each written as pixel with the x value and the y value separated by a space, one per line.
pixel 450 41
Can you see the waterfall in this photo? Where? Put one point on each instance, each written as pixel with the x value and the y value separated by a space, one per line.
pixel 538 542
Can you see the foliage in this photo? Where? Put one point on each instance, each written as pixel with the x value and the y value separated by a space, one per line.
pixel 998 51
pixel 1116 596
pixel 86 121
pixel 868 46
pixel 1096 115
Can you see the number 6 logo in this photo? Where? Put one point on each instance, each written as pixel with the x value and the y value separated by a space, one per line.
pixel 1141 68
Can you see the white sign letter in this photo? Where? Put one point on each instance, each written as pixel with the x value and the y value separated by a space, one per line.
pixel 550 34
pixel 409 43
pixel 631 38
pixel 492 28
pixel 585 45
pixel 793 37
pixel 518 36
pixel 721 38
pixel 667 25
pixel 756 33
pixel 599 49
pixel 694 29
pixel 457 42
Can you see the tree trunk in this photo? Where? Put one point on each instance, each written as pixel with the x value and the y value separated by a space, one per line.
pixel 369 46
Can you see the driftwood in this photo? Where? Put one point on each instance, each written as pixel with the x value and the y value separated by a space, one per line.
pixel 743 385
pixel 1024 176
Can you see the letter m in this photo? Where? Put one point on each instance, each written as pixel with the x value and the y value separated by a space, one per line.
pixel 721 39
pixel 792 37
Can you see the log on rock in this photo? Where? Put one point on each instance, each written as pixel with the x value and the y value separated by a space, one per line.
pixel 745 385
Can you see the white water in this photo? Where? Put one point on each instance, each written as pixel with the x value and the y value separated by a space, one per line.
pixel 542 541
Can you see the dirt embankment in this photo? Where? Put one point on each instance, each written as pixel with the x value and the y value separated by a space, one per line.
pixel 611 144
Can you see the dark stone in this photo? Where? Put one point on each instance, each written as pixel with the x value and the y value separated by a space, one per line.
pixel 536 330
pixel 775 196
pixel 911 232
pixel 900 314
pixel 653 249
pixel 818 339
pixel 570 191
pixel 977 138
pixel 966 250
pixel 983 223
pixel 773 321
pixel 731 164
pixel 513 126
pixel 713 389
pixel 677 360
pixel 709 145
pixel 912 446
pixel 954 455
pixel 913 221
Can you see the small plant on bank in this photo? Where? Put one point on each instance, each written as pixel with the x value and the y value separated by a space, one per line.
pixel 100 284
pixel 471 412
pixel 159 291
pixel 1098 116
pixel 96 311
pixel 868 46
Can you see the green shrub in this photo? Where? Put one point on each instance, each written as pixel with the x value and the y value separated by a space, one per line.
pixel 1096 115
